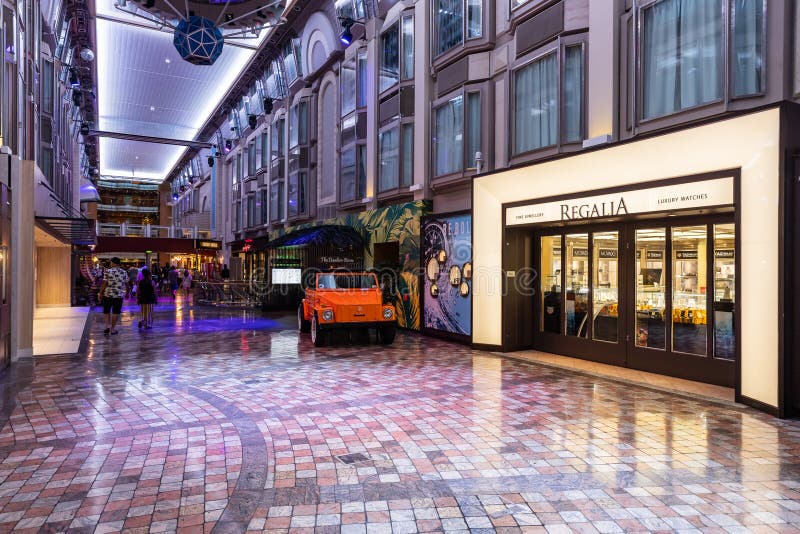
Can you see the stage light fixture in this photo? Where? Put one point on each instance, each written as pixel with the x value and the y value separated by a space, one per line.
pixel 84 128
pixel 267 106
pixel 252 121
pixel 77 99
pixel 73 78
pixel 346 36
pixel 228 145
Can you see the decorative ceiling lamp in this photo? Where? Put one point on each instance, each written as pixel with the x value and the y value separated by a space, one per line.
pixel 200 32
pixel 198 41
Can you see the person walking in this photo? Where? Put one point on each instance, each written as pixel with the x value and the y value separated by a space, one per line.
pixel 186 282
pixel 146 296
pixel 173 280
pixel 226 273
pixel 115 282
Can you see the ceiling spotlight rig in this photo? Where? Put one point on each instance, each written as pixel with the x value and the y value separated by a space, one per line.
pixel 199 33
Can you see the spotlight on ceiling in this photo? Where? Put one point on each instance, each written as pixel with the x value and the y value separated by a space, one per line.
pixel 228 145
pixel 346 37
pixel 73 78
pixel 175 197
pixel 87 55
pixel 84 128
pixel 210 161
pixel 267 106
pixel 252 121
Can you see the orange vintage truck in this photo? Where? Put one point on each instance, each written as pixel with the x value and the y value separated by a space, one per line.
pixel 345 300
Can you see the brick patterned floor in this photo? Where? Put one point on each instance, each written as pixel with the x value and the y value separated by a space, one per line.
pixel 228 421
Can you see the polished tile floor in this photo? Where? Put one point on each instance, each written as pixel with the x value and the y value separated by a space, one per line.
pixel 58 330
pixel 227 421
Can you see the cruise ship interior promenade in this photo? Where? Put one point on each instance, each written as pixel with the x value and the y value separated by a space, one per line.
pixel 219 420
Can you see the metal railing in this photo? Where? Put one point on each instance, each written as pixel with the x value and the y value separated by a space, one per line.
pixel 150 230
pixel 228 293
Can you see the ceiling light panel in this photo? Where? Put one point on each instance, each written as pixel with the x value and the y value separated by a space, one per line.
pixel 133 77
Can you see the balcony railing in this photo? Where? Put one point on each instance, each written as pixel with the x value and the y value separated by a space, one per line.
pixel 127 208
pixel 150 230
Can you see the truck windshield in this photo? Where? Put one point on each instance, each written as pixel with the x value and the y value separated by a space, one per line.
pixel 347 281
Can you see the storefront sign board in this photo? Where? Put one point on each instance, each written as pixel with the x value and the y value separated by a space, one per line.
pixel 685 196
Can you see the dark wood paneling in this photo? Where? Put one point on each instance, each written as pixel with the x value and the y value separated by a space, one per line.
pixel 390 108
pixel 452 76
pixel 407 101
pixel 518 285
pixel 540 28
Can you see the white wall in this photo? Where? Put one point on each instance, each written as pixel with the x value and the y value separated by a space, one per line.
pixel 750 142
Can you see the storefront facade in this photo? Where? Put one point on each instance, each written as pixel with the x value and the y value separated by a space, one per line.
pixel 667 254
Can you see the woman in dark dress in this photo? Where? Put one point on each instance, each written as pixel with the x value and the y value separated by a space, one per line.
pixel 146 295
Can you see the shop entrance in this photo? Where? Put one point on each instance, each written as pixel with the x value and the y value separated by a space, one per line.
pixel 658 296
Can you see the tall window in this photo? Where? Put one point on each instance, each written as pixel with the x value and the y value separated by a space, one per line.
pixel 389 161
pixel 251 210
pixel 542 108
pixel 264 140
pixel 353 173
pixel 396 160
pixel 264 205
pixel 298 124
pixel 452 26
pixel 290 61
pixel 278 128
pixel 297 193
pixel 276 213
pixel 682 60
pixel 748 47
pixel 397 53
pixel 251 159
pixel 48 79
pixel 348 85
pixel 448 141
pixel 457 134
pixel 390 58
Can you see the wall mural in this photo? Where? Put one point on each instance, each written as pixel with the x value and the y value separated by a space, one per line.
pixel 447 262
pixel 401 223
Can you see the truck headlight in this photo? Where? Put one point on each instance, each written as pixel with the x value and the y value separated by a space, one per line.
pixel 388 313
pixel 327 315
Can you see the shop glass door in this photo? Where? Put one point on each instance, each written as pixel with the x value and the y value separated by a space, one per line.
pixel 581 291
pixel 550 316
pixel 684 290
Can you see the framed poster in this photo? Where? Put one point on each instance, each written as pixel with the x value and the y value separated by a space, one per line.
pixel 447 275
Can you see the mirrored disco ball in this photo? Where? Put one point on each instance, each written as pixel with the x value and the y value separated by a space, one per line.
pixel 198 41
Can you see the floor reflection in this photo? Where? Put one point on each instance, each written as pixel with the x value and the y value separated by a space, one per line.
pixel 231 419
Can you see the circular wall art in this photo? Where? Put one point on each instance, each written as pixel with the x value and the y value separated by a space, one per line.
pixel 466 271
pixel 434 290
pixel 463 289
pixel 455 276
pixel 441 256
pixel 432 269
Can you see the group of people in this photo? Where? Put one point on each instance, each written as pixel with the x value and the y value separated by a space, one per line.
pixel 143 283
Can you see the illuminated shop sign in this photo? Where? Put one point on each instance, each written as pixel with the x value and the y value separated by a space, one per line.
pixel 209 245
pixel 691 195
pixel 724 254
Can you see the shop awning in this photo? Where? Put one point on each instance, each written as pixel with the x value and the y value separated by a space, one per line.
pixel 320 235
pixel 75 231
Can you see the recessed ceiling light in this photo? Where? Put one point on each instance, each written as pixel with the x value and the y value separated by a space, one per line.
pixel 152 108
pixel 167 60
